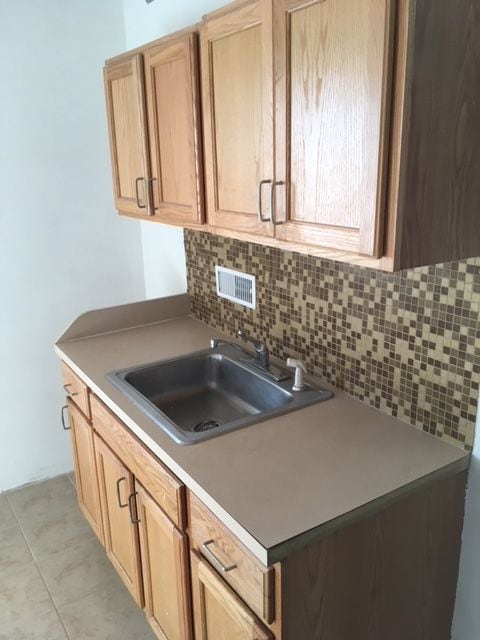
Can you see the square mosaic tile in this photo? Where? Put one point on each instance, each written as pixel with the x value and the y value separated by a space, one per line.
pixel 406 343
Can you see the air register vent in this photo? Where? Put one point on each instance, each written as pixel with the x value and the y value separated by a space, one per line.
pixel 235 286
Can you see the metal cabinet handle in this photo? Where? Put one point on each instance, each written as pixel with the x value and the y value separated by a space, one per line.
pixel 139 205
pixel 215 560
pixel 119 499
pixel 260 204
pixel 69 393
pixel 132 508
pixel 273 203
pixel 62 414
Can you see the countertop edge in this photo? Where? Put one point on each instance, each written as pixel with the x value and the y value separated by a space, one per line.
pixel 281 551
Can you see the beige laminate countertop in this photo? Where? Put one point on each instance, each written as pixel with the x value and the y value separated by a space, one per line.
pixel 277 484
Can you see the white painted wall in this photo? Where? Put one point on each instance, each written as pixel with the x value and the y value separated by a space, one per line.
pixel 466 621
pixel 163 250
pixel 63 248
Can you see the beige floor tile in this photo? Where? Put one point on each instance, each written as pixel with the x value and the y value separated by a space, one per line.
pixel 75 572
pixel 59 533
pixel 14 552
pixel 26 611
pixel 7 519
pixel 43 501
pixel 108 613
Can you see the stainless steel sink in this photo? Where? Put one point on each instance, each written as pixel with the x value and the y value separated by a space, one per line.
pixel 210 392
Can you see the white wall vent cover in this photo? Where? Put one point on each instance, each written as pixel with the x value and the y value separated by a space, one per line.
pixel 235 286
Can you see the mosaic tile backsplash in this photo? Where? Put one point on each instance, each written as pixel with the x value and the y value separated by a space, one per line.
pixel 406 343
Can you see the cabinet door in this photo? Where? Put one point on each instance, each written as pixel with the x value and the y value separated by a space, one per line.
pixel 116 485
pixel 219 613
pixel 85 468
pixel 332 96
pixel 173 107
pixel 237 80
pixel 165 571
pixel 127 125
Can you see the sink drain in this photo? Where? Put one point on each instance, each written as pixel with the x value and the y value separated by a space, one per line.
pixel 206 425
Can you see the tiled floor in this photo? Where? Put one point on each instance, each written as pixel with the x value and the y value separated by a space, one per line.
pixel 55 580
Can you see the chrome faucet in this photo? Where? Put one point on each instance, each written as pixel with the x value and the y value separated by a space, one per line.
pixel 262 356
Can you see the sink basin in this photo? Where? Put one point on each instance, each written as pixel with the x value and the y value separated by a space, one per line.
pixel 208 393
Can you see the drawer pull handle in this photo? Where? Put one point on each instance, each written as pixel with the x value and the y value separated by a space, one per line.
pixel 119 498
pixel 260 204
pixel 69 393
pixel 215 560
pixel 132 508
pixel 273 204
pixel 137 197
pixel 64 424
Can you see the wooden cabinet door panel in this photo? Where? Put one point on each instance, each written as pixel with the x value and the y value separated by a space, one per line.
pixel 332 80
pixel 121 535
pixel 173 107
pixel 165 571
pixel 237 80
pixel 254 583
pixel 219 613
pixel 126 115
pixel 166 489
pixel 85 468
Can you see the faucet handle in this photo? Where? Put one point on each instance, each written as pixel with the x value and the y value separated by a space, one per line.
pixel 300 369
pixel 262 355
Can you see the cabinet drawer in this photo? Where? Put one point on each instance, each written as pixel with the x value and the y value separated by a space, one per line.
pixel 76 389
pixel 254 583
pixel 161 484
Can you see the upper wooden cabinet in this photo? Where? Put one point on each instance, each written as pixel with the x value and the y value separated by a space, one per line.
pixel 124 87
pixel 153 112
pixel 332 104
pixel 345 129
pixel 375 119
pixel 327 99
pixel 237 75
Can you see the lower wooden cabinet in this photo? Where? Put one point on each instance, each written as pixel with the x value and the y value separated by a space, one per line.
pixel 219 613
pixel 85 469
pixel 117 492
pixel 219 591
pixel 164 550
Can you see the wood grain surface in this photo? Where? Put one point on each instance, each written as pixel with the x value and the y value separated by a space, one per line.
pixel 253 582
pixel 165 571
pixel 392 575
pixel 121 535
pixel 442 159
pixel 77 391
pixel 162 485
pixel 333 68
pixel 86 481
pixel 127 126
pixel 218 611
pixel 237 82
pixel 174 127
